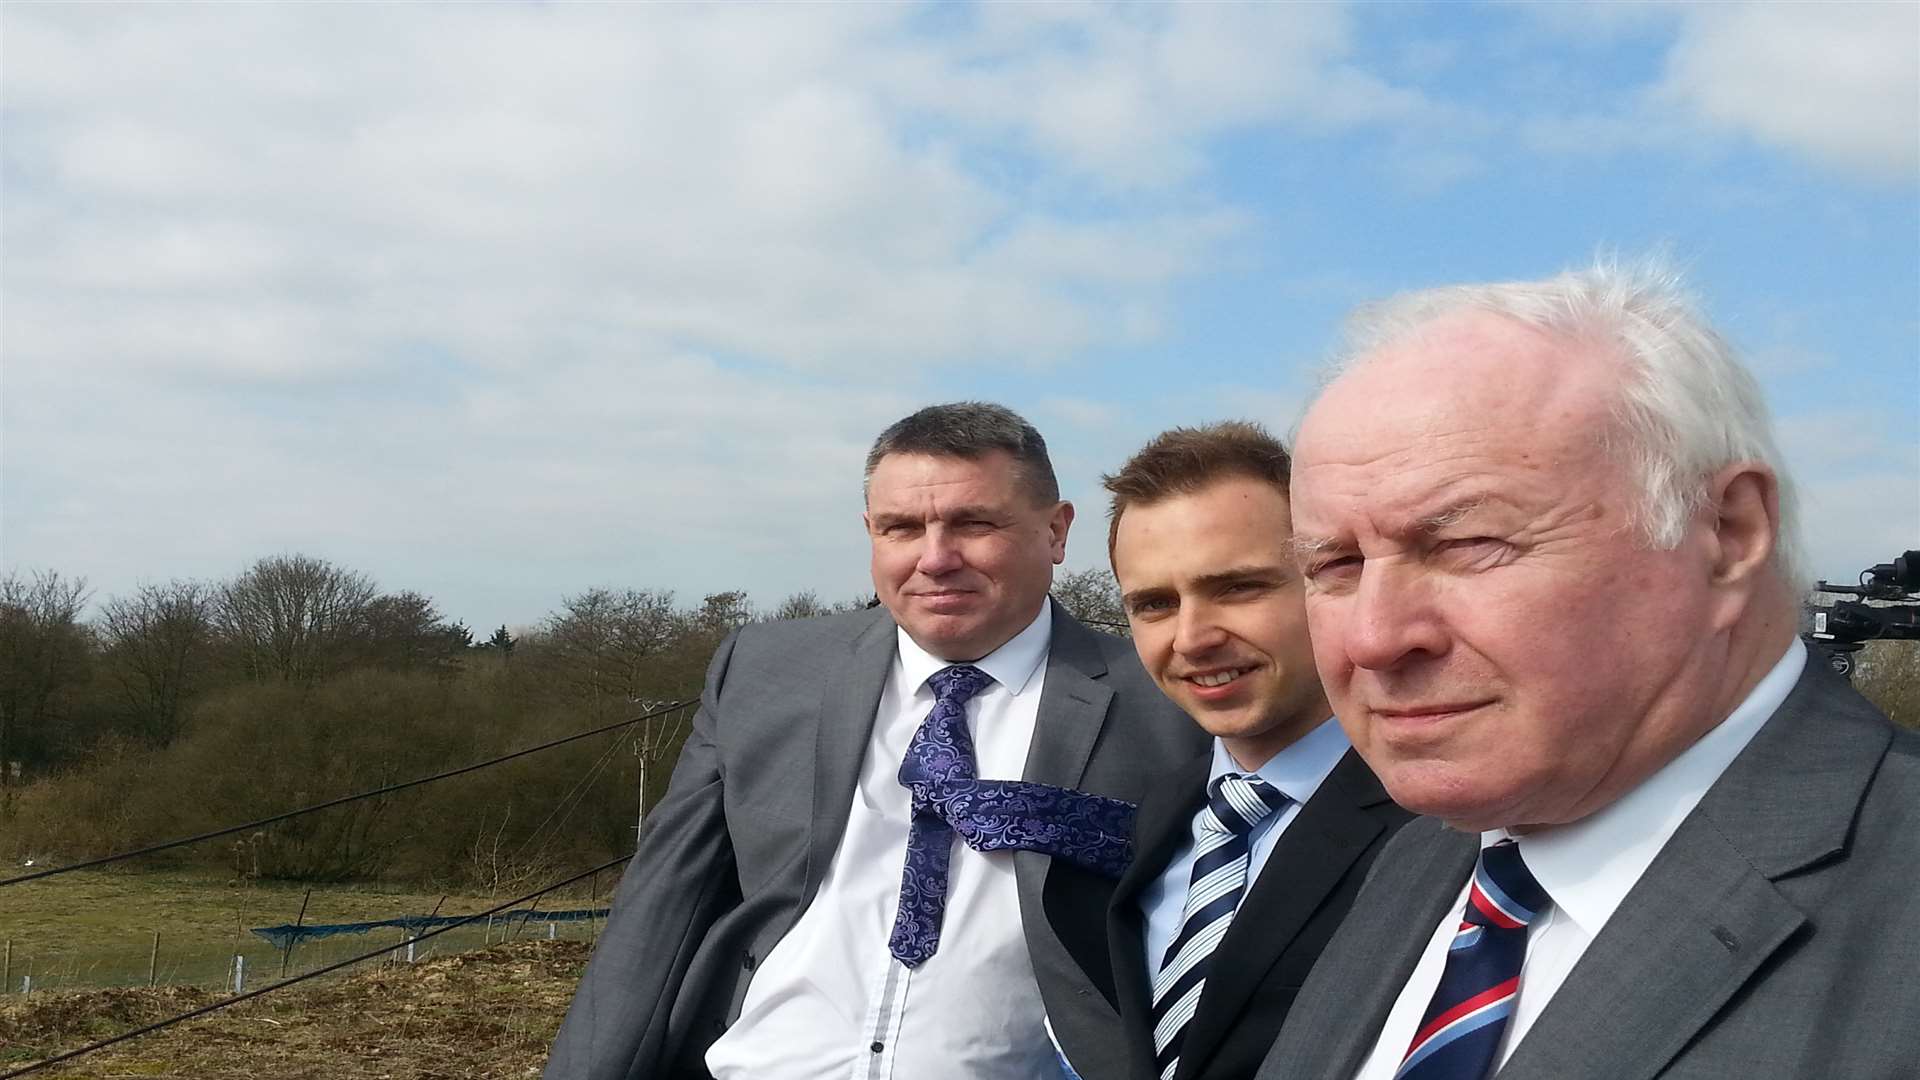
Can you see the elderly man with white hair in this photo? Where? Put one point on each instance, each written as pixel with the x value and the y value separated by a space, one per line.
pixel 1553 585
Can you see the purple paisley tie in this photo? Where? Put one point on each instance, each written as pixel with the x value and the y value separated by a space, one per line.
pixel 988 815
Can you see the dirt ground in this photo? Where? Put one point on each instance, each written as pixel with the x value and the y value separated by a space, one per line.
pixel 490 1013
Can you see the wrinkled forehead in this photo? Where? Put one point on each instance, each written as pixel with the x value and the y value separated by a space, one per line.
pixel 1466 375
pixel 1477 414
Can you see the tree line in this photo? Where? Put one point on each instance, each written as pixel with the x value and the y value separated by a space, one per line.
pixel 192 705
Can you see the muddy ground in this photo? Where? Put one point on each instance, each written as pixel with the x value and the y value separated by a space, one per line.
pixel 490 1013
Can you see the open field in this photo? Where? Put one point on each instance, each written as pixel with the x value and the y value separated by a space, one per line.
pixel 95 928
pixel 490 1013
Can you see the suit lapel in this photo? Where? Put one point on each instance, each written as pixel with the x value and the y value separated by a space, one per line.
pixel 1688 936
pixel 1316 851
pixel 1706 915
pixel 850 697
pixel 1073 706
pixel 1338 1016
pixel 1165 822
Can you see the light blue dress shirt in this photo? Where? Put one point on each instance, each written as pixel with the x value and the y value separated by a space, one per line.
pixel 1297 771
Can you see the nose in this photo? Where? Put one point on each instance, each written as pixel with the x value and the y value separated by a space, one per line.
pixel 1196 630
pixel 938 553
pixel 1391 620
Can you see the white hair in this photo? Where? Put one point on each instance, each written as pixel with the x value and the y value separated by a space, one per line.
pixel 1688 406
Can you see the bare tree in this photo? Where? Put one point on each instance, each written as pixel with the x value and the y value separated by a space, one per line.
pixel 807 604
pixel 801 605
pixel 404 632
pixel 292 617
pixel 43 651
pixel 158 642
pixel 1093 596
pixel 608 645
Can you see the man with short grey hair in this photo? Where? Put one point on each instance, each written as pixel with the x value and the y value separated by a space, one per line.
pixel 1553 586
pixel 845 877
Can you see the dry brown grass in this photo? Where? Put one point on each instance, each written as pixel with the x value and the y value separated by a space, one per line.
pixel 491 1013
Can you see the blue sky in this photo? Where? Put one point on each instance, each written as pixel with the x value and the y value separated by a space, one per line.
pixel 501 303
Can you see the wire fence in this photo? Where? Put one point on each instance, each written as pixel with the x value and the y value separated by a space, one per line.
pixel 329 804
pixel 414 937
pixel 361 957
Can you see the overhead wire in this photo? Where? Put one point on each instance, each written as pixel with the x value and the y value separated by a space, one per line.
pixel 574 797
pixel 302 977
pixel 659 710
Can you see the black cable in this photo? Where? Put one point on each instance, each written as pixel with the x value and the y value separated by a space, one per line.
pixel 574 796
pixel 304 976
pixel 659 710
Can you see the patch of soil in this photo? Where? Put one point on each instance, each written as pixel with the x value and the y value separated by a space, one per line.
pixel 491 1013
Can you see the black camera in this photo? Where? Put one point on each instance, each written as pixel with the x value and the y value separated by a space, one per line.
pixel 1841 628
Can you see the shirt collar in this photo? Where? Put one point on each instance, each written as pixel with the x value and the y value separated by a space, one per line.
pixel 1588 867
pixel 1012 665
pixel 1297 770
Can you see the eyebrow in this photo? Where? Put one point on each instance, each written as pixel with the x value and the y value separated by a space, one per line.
pixel 1242 573
pixel 1450 515
pixel 1213 580
pixel 1307 548
pixel 885 517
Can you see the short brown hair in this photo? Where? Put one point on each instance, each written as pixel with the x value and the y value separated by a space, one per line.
pixel 1185 459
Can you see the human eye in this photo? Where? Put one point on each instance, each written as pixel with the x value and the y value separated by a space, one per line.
pixel 1332 570
pixel 1473 552
pixel 1149 607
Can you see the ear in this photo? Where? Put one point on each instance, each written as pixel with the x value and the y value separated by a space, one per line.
pixel 1746 526
pixel 1057 525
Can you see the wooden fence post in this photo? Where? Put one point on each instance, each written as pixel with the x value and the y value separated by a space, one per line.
pixel 153 959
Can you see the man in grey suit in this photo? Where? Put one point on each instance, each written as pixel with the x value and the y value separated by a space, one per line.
pixel 816 895
pixel 1552 582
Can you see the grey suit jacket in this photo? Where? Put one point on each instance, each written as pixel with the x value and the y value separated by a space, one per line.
pixel 756 808
pixel 1776 935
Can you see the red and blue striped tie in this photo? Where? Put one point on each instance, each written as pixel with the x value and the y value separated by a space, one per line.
pixel 1459 1037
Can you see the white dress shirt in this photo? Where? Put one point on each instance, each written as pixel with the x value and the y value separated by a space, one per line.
pixel 829 1002
pixel 1587 868
pixel 1297 772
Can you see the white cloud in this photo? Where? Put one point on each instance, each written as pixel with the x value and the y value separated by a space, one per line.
pixel 1839 82
pixel 601 292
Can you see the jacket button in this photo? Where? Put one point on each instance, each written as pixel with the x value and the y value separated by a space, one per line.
pixel 748 962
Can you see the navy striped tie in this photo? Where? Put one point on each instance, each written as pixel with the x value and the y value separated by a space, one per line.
pixel 1235 804
pixel 1460 1033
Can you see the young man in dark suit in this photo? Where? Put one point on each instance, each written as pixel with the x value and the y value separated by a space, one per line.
pixel 1249 855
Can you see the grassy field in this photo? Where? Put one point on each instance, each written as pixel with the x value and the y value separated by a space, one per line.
pixel 484 1014
pixel 96 928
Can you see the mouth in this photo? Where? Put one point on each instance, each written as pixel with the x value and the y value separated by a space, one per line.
pixel 940 600
pixel 1211 680
pixel 1428 713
